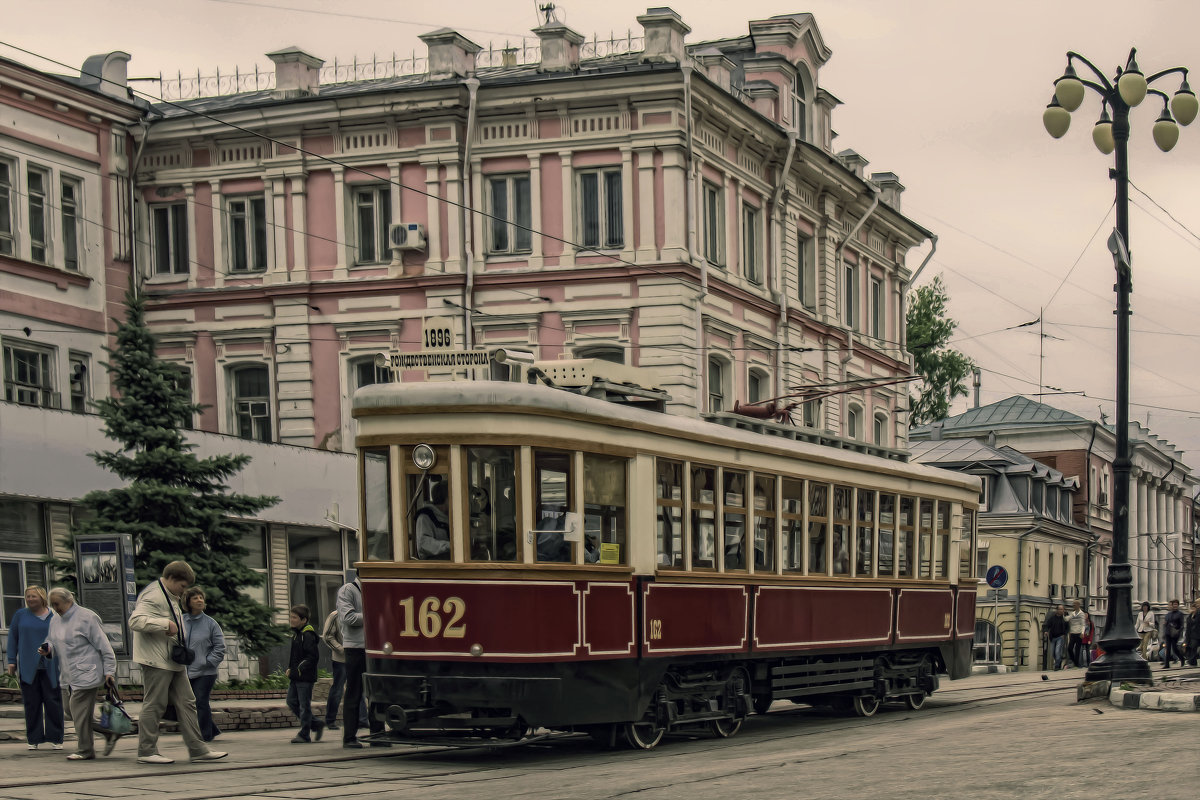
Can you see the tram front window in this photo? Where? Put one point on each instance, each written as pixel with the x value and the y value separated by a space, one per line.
pixel 492 487
pixel 377 505
pixel 552 487
pixel 430 521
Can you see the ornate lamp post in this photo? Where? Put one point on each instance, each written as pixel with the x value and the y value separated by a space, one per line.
pixel 1120 662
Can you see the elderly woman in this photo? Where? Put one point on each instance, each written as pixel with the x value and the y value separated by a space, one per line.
pixel 206 640
pixel 39 677
pixel 78 642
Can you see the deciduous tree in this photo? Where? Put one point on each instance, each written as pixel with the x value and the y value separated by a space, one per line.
pixel 942 369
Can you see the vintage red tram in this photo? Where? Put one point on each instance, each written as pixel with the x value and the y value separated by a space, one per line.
pixel 538 560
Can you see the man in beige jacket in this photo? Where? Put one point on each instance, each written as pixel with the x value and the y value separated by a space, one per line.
pixel 155 623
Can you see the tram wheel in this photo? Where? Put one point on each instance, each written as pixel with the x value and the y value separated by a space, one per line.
pixel 724 728
pixel 916 701
pixel 644 735
pixel 865 705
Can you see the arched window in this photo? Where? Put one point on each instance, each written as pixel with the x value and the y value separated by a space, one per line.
pixel 717 391
pixel 613 353
pixel 251 395
pixel 881 429
pixel 757 385
pixel 854 420
pixel 802 97
pixel 364 372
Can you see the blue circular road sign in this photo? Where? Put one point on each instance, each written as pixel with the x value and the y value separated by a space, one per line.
pixel 997 576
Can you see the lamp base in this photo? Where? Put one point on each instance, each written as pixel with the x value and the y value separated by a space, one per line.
pixel 1126 666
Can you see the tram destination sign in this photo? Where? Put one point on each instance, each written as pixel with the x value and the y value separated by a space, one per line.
pixel 461 358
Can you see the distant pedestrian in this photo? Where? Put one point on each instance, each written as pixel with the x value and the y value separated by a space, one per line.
pixel 86 663
pixel 206 640
pixel 1147 628
pixel 302 672
pixel 1192 634
pixel 1173 624
pixel 38 675
pixel 350 618
pixel 1076 621
pixel 331 635
pixel 157 625
pixel 1054 632
pixel 1088 638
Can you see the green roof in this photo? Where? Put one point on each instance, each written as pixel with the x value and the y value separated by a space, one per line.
pixel 1016 412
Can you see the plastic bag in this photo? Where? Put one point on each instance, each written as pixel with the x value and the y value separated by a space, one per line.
pixel 113 717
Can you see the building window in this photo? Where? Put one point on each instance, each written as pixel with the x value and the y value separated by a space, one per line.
pixel 877 308
pixel 38 185
pixel 881 430
pixel 600 211
pixel 850 302
pixel 716 385
pixel 511 215
pixel 756 386
pixel 987 643
pixel 806 263
pixel 372 215
pixel 169 232
pixel 367 373
pixel 28 377
pixel 247 234
pixel 812 414
pixel 254 539
pixel 316 569
pixel 80 382
pixel 252 403
pixel 714 224
pixel 69 205
pixel 752 257
pixel 7 244
pixel 854 422
pixel 610 353
pixel 183 380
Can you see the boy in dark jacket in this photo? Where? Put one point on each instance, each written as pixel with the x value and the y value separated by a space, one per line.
pixel 302 670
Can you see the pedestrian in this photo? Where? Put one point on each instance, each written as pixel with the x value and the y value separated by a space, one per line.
pixel 350 619
pixel 331 635
pixel 1192 634
pixel 302 672
pixel 1146 627
pixel 86 661
pixel 1089 636
pixel 38 676
pixel 206 640
pixel 1054 632
pixel 1076 622
pixel 157 624
pixel 1173 624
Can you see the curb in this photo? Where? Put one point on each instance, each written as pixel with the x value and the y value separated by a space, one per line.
pixel 990 669
pixel 1155 701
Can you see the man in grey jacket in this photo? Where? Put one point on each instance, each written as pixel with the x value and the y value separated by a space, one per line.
pixel 86 663
pixel 350 621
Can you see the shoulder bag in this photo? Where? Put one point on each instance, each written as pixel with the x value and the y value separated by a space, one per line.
pixel 180 653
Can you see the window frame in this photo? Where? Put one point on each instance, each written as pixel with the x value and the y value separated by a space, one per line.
pixel 8 223
pixel 39 212
pixel 851 302
pixel 379 197
pixel 713 208
pixel 175 255
pixel 79 384
pixel 517 232
pixel 752 241
pixel 806 271
pixel 252 219
pixel 71 219
pixel 717 369
pixel 610 221
pixel 235 401
pixel 48 395
pixel 875 288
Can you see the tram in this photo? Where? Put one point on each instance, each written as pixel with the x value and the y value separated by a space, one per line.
pixel 535 560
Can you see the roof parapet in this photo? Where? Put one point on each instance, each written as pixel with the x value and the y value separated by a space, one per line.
pixel 451 55
pixel 297 73
pixel 664 32
pixel 560 48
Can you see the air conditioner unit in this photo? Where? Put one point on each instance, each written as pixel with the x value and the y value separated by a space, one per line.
pixel 407 236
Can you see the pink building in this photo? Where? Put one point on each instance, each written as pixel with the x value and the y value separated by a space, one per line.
pixel 672 206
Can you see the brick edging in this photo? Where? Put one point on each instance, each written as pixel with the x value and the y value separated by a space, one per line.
pixel 1155 701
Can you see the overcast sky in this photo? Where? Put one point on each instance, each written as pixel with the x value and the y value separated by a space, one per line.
pixel 948 94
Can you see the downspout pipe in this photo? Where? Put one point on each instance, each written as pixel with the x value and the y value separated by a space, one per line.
pixel 135 278
pixel 686 69
pixel 468 238
pixel 778 218
pixel 933 240
pixel 1020 572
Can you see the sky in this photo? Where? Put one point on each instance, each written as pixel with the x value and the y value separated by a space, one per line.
pixel 947 94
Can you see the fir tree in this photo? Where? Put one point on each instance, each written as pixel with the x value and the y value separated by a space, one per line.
pixel 943 370
pixel 175 506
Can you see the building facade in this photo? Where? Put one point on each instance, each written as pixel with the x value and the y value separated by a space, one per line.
pixel 669 206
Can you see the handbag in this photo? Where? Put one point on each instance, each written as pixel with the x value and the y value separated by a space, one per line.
pixel 113 716
pixel 180 653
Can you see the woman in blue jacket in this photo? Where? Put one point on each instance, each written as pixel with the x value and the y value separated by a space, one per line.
pixel 207 642
pixel 39 676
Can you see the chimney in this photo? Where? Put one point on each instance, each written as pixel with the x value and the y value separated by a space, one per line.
pixel 560 48
pixel 451 55
pixel 890 188
pixel 717 66
pixel 664 32
pixel 297 74
pixel 107 73
pixel 853 161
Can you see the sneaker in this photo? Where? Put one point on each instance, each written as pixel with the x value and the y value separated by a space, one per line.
pixel 109 743
pixel 300 740
pixel 211 755
pixel 154 758
pixel 33 747
pixel 352 745
pixel 56 746
pixel 80 757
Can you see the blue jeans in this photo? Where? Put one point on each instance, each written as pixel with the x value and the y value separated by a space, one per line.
pixel 202 687
pixel 299 700
pixel 43 710
pixel 1058 646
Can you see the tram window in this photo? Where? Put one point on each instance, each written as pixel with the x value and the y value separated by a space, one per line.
pixel 925 532
pixel 429 520
pixel 603 509
pixel 941 548
pixel 966 562
pixel 793 525
pixel 818 526
pixel 906 543
pixel 704 517
pixel 764 523
pixel 866 532
pixel 734 520
pixel 492 496
pixel 841 529
pixel 669 490
pixel 552 501
pixel 377 506
pixel 887 534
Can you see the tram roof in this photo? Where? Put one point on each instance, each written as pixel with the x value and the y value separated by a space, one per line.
pixel 517 398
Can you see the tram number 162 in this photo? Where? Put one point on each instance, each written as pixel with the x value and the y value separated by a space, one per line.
pixel 432 617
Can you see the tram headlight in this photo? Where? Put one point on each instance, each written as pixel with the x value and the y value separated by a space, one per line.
pixel 387 648
pixel 476 649
pixel 423 457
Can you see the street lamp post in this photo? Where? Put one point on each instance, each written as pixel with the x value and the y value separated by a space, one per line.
pixel 1120 662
